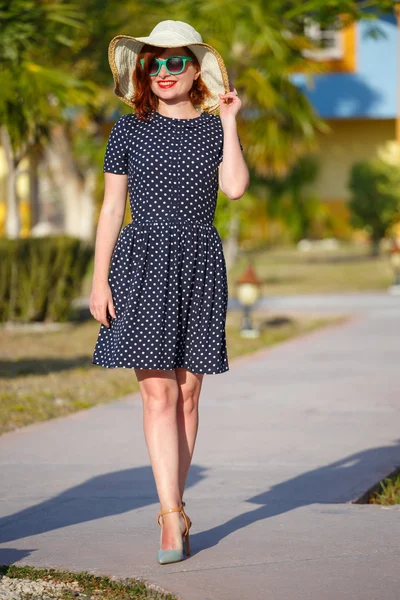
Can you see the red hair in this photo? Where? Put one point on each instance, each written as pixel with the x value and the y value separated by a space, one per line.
pixel 144 99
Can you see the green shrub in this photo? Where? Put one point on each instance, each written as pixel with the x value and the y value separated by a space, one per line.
pixel 39 277
pixel 375 201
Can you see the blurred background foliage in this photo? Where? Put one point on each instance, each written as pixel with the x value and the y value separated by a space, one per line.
pixel 56 89
pixel 375 201
pixel 39 278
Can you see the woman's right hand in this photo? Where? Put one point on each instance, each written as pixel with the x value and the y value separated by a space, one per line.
pixel 101 301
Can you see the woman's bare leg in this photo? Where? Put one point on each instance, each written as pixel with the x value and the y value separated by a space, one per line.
pixel 159 391
pixel 189 387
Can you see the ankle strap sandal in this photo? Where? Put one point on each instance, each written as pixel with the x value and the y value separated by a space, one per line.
pixel 168 556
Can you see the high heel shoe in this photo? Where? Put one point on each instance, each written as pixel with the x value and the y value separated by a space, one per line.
pixel 184 539
pixel 175 555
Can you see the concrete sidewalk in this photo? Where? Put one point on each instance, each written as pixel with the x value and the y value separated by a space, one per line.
pixel 288 438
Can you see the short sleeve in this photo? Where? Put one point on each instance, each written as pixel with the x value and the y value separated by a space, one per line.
pixel 221 154
pixel 116 156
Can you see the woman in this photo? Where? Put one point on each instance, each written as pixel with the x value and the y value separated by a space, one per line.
pixel 162 302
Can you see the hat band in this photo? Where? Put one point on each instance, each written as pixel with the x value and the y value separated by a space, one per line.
pixel 168 41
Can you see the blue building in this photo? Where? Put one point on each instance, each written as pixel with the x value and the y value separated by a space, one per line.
pixel 358 95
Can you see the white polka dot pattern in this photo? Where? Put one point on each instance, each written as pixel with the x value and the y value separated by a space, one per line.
pixel 167 274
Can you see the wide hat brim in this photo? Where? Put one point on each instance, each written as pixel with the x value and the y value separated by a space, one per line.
pixel 124 49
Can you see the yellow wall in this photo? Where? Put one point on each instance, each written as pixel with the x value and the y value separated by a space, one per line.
pixel 348 142
pixel 23 192
pixel 3 191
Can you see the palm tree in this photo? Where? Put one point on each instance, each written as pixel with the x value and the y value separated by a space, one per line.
pixel 33 93
pixel 262 42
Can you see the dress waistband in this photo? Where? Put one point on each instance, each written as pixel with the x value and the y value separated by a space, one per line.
pixel 174 219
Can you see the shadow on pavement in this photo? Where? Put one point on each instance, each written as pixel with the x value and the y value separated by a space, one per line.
pixel 130 489
pixel 102 496
pixel 336 483
pixel 9 556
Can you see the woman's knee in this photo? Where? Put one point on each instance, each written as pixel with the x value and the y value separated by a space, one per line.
pixel 159 393
pixel 189 390
pixel 189 400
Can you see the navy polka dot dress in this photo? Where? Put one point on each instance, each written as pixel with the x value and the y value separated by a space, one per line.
pixel 167 273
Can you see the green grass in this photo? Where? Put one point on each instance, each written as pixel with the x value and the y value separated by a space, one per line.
pixel 288 271
pixel 389 494
pixel 274 328
pixel 50 374
pixel 90 586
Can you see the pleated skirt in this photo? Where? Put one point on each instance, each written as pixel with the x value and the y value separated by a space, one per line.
pixel 169 286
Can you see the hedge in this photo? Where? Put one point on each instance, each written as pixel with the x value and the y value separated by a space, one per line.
pixel 40 277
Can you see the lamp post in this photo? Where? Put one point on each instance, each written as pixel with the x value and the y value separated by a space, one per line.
pixel 394 258
pixel 248 291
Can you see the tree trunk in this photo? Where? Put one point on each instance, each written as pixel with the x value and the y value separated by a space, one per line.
pixel 232 242
pixel 34 189
pixel 88 206
pixel 375 246
pixel 76 190
pixel 13 221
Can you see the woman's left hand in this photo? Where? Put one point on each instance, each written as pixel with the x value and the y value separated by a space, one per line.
pixel 230 104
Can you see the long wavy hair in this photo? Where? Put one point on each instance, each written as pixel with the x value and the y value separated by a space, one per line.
pixel 144 99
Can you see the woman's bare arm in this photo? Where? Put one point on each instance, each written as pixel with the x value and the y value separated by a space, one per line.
pixel 233 171
pixel 108 228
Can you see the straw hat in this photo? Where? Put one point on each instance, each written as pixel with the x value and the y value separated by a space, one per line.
pixel 124 49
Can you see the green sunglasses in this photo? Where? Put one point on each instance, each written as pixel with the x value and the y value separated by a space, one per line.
pixel 174 64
